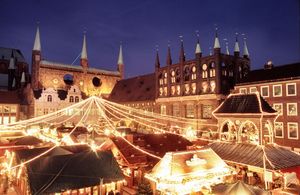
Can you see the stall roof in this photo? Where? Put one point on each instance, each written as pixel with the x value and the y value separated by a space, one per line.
pixel 63 171
pixel 249 154
pixel 175 164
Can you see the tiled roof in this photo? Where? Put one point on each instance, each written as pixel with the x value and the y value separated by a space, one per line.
pixel 58 65
pixel 141 88
pixel 244 103
pixel 71 171
pixel 276 73
pixel 249 154
pixel 9 97
pixel 5 53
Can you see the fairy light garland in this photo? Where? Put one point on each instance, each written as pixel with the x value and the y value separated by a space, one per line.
pixel 137 148
pixel 156 115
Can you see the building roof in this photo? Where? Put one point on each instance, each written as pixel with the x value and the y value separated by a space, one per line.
pixel 284 72
pixel 180 164
pixel 141 88
pixel 10 97
pixel 244 103
pixel 5 53
pixel 27 140
pixel 59 172
pixel 249 154
pixel 57 65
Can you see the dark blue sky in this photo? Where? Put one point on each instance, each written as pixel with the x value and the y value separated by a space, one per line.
pixel 271 26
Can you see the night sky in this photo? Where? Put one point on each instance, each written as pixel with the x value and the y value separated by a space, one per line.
pixel 271 27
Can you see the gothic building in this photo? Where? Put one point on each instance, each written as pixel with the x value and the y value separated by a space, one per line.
pixel 14 76
pixel 59 84
pixel 189 88
pixel 194 88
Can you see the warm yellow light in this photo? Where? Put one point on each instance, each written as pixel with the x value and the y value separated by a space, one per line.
pixel 107 132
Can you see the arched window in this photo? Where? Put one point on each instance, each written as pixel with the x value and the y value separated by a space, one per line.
pixel 49 98
pixel 165 78
pixel 186 73
pixel 71 99
pixel 173 79
pixel 194 74
pixel 212 70
pixel 204 71
pixel 76 99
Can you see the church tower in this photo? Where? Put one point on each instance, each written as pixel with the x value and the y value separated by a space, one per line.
pixel 36 58
pixel 121 62
pixel 84 59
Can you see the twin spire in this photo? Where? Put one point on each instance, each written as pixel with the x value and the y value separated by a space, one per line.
pixel 37 47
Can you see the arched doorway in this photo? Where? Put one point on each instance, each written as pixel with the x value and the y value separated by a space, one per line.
pixel 268 132
pixel 228 131
pixel 248 133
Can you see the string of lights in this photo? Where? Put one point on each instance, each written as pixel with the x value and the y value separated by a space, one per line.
pixel 109 121
pixel 157 115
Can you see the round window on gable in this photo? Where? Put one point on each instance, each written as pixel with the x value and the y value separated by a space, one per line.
pixel 97 82
pixel 68 79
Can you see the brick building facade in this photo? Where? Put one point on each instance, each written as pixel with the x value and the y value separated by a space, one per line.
pixel 52 82
pixel 280 87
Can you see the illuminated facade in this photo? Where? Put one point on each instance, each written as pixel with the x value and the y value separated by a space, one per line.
pixel 190 88
pixel 280 87
pixel 58 80
pixel 188 172
pixel 194 88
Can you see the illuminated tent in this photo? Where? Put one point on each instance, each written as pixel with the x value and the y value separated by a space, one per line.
pixel 239 188
pixel 188 171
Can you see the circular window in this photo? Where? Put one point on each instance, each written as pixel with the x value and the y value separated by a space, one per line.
pixel 97 82
pixel 204 66
pixel 68 79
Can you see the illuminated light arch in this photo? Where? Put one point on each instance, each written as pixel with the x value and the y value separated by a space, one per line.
pixel 252 137
pixel 270 130
pixel 228 133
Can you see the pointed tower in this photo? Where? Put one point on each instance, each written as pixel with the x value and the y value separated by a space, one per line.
pixel 217 46
pixel 121 62
pixel 11 70
pixel 236 46
pixel 23 79
pixel 198 51
pixel 169 58
pixel 84 58
pixel 227 49
pixel 246 52
pixel 181 54
pixel 157 63
pixel 36 58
